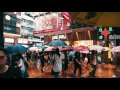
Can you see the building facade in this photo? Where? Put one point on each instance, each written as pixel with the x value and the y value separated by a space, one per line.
pixel 18 28
pixel 11 32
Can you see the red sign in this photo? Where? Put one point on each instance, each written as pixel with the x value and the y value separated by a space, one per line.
pixel 105 33
pixel 50 30
pixel 53 23
pixel 66 16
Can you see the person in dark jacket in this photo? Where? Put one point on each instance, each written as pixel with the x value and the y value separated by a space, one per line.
pixel 77 62
pixel 7 71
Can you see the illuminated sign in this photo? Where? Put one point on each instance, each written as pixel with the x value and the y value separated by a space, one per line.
pixel 104 33
pixel 9 40
pixel 59 37
pixel 114 36
pixel 87 43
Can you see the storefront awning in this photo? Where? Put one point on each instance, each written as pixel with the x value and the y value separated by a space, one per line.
pixel 66 31
pixel 10 35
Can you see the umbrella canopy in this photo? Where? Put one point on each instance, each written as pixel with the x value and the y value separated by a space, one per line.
pixel 97 48
pixel 50 49
pixel 35 49
pixel 58 43
pixel 115 49
pixel 9 49
pixel 82 49
pixel 44 47
pixel 97 18
pixel 71 54
pixel 17 49
pixel 69 48
pixel 26 46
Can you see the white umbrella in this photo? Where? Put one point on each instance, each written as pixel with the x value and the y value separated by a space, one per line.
pixel 35 49
pixel 25 46
pixel 50 49
pixel 115 49
pixel 97 48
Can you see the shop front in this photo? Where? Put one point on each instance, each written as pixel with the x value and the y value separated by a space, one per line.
pixel 11 39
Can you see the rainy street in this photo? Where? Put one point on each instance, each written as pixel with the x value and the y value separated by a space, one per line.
pixel 60 45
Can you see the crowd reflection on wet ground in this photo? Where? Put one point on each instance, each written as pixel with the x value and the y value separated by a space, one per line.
pixel 102 71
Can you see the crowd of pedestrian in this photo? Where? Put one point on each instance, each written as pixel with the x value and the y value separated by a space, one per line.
pixel 17 66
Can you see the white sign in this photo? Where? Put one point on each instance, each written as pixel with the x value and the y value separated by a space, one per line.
pixel 59 37
pixel 9 40
pixel 62 37
pixel 54 37
pixel 114 36
pixel 22 40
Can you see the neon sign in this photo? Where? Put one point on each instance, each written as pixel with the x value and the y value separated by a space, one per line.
pixel 104 33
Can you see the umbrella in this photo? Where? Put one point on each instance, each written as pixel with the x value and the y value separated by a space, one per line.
pixel 17 49
pixel 115 49
pixel 26 46
pixel 82 49
pixel 9 49
pixel 35 49
pixel 71 54
pixel 97 48
pixel 44 47
pixel 50 49
pixel 69 48
pixel 57 43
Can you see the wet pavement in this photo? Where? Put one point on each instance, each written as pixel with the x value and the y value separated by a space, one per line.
pixel 102 71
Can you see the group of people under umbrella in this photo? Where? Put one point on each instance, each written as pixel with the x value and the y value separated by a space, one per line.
pixel 58 54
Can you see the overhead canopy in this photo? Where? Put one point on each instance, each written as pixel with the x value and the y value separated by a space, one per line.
pixel 97 18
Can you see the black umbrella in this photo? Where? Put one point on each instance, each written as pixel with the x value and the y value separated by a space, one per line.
pixel 57 43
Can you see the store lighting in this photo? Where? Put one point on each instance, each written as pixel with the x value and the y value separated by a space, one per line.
pixel 47 16
pixel 54 14
pixel 15 13
pixel 7 17
pixel 61 28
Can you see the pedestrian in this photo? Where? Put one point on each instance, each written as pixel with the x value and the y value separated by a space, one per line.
pixel 20 63
pixel 57 64
pixel 77 63
pixel 42 60
pixel 7 71
pixel 28 55
pixel 86 67
pixel 93 63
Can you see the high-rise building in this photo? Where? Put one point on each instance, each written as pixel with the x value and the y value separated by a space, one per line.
pixel 19 27
pixel 11 32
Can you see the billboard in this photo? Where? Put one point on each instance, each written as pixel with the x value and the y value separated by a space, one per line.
pixel 52 22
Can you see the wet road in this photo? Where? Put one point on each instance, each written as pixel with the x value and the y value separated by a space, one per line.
pixel 103 71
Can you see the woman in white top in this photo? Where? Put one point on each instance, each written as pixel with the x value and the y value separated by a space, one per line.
pixel 57 64
pixel 21 64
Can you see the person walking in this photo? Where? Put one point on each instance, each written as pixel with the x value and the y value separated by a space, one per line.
pixel 57 64
pixel 77 63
